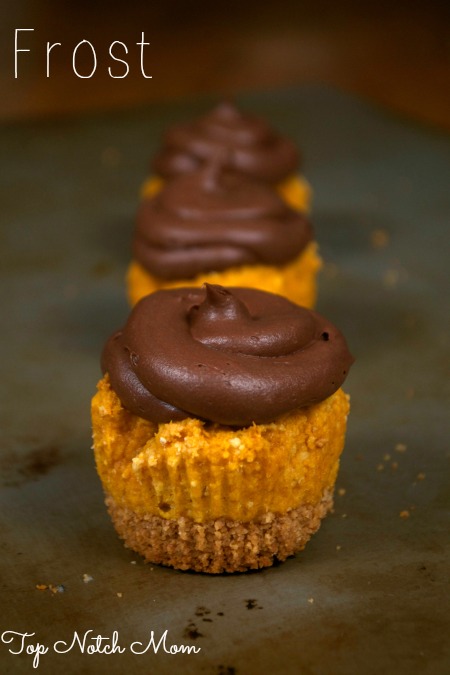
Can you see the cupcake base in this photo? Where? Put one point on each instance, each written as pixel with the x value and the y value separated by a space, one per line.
pixel 220 545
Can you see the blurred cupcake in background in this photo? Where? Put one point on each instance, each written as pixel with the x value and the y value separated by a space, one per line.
pixel 252 147
pixel 214 225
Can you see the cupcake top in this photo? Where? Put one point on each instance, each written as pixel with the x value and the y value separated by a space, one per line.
pixel 232 356
pixel 253 147
pixel 210 220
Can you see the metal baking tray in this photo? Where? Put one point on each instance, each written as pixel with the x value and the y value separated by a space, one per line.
pixel 370 592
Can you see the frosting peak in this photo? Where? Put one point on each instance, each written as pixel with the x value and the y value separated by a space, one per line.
pixel 223 321
pixel 232 356
pixel 218 307
pixel 210 220
pixel 252 146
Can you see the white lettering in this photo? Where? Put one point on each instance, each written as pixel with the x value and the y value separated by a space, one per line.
pixel 94 68
pixel 117 42
pixel 116 72
pixel 13 633
pixel 36 649
pixel 88 643
pixel 49 49
pixel 76 638
pixel 98 644
pixel 138 647
pixel 142 44
pixel 19 50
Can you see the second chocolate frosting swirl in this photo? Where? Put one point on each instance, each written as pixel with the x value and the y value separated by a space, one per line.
pixel 253 147
pixel 232 356
pixel 210 220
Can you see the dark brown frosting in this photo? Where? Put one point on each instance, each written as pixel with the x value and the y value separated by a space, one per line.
pixel 210 220
pixel 252 146
pixel 232 356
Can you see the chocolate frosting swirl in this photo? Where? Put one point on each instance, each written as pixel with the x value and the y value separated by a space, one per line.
pixel 253 147
pixel 232 356
pixel 210 220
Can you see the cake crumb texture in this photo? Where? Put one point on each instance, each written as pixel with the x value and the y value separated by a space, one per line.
pixel 207 472
pixel 295 281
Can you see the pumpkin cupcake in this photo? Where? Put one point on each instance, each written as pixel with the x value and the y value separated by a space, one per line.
pixel 210 225
pixel 218 427
pixel 253 148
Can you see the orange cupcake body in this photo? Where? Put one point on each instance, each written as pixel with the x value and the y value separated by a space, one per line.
pixel 295 281
pixel 212 498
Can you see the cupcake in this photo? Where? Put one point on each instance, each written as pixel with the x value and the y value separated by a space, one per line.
pixel 218 427
pixel 210 225
pixel 253 148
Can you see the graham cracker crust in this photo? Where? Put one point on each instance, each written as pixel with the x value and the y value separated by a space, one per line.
pixel 219 545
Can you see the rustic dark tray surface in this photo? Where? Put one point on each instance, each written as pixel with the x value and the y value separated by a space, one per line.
pixel 370 593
